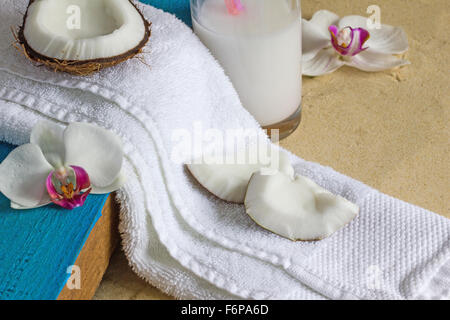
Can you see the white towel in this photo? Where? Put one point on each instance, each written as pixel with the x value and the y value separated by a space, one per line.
pixel 176 235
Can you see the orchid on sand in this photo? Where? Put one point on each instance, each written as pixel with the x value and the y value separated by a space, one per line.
pixel 62 166
pixel 330 43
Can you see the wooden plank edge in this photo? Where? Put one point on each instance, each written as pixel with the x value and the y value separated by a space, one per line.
pixel 93 259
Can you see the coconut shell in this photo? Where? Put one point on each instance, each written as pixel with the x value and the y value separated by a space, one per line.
pixel 78 67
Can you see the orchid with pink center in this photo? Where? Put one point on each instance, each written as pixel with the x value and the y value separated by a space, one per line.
pixel 330 43
pixel 62 166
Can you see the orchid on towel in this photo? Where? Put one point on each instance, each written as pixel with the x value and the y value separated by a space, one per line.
pixel 330 42
pixel 62 166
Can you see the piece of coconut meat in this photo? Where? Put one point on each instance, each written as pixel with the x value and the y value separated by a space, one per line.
pixel 297 209
pixel 229 181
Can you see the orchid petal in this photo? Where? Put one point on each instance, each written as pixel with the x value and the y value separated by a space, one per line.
pixel 23 174
pixel 17 206
pixel 322 19
pixel 326 61
pixel 373 61
pixel 116 185
pixel 387 39
pixel 51 190
pixel 75 202
pixel 83 181
pixel 313 40
pixel 95 149
pixel 49 137
pixel 43 203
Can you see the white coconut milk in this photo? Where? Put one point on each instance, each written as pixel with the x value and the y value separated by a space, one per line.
pixel 260 50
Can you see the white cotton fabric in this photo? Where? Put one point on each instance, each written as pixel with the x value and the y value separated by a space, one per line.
pixel 179 237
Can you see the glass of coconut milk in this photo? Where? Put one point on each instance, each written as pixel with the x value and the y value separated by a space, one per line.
pixel 258 43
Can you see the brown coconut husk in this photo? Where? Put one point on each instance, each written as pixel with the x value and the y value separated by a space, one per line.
pixel 77 67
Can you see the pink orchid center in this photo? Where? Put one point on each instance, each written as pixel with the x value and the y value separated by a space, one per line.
pixel 344 37
pixel 68 186
pixel 348 41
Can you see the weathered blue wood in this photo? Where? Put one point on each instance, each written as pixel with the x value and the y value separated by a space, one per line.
pixel 180 8
pixel 37 246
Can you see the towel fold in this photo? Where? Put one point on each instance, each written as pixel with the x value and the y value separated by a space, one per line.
pixel 176 235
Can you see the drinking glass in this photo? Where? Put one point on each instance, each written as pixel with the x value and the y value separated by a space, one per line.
pixel 258 43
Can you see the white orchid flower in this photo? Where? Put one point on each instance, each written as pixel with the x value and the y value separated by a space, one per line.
pixel 62 166
pixel 330 43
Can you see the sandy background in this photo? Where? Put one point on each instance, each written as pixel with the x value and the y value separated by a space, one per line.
pixel 389 129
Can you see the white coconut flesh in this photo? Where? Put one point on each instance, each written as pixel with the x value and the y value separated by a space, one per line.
pixel 297 209
pixel 107 28
pixel 229 181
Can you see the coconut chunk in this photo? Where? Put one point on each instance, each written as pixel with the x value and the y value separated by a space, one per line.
pixel 70 35
pixel 296 208
pixel 229 181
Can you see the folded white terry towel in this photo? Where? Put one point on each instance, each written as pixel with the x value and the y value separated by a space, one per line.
pixel 176 235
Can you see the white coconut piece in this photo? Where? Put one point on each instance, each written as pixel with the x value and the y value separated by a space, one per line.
pixel 75 30
pixel 297 209
pixel 229 181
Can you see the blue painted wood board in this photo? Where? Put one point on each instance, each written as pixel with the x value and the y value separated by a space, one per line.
pixel 37 246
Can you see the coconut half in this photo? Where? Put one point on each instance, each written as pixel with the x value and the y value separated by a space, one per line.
pixel 297 209
pixel 229 181
pixel 82 36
